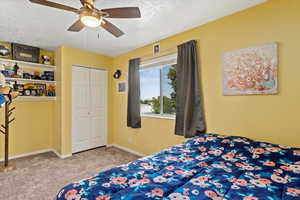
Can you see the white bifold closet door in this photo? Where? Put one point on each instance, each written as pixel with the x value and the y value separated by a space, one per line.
pixel 89 118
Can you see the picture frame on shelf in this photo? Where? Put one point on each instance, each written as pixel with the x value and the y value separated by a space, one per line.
pixel 25 53
pixel 5 50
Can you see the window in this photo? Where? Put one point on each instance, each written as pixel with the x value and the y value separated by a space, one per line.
pixel 158 90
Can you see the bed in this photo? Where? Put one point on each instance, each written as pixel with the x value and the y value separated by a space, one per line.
pixel 210 166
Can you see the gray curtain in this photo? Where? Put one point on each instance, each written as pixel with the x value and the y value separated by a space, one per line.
pixel 189 111
pixel 133 107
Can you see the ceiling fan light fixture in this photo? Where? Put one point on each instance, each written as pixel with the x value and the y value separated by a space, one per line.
pixel 90 18
pixel 91 21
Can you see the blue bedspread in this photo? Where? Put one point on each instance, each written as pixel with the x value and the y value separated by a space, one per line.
pixel 207 167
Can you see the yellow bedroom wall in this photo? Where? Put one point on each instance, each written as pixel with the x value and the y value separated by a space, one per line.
pixel 32 131
pixel 66 57
pixel 271 118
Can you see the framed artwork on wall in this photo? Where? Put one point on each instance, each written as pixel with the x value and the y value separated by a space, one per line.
pixel 251 71
pixel 156 49
pixel 122 87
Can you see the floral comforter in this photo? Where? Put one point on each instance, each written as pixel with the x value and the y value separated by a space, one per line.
pixel 206 167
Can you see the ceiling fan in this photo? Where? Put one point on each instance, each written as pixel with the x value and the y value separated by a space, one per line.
pixel 92 17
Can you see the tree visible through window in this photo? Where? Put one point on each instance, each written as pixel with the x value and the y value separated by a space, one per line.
pixel 158 90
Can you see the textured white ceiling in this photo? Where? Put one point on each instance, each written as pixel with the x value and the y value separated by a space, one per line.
pixel 32 24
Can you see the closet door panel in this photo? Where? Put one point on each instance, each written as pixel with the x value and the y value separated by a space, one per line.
pixel 98 132
pixel 80 108
pixel 82 135
pixel 98 80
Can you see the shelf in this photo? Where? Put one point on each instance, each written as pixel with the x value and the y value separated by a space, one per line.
pixel 35 98
pixel 28 64
pixel 30 80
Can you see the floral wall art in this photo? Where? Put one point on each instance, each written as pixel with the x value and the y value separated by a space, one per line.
pixel 251 71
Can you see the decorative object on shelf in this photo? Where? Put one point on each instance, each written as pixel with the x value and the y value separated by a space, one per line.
pixel 27 92
pixel 8 73
pixel 35 89
pixel 16 74
pixel 156 49
pixel 51 91
pixel 48 75
pixel 25 53
pixel 36 76
pixel 40 89
pixel 27 75
pixel 29 89
pixel 7 95
pixel 251 71
pixel 46 60
pixel 121 87
pixel 117 74
pixel 4 51
pixel 19 88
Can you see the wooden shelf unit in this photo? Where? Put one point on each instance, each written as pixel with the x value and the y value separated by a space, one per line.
pixel 30 80
pixel 23 64
pixel 33 66
pixel 35 98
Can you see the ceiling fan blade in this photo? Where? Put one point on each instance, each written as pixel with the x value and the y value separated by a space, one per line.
pixel 112 28
pixel 54 5
pixel 77 26
pixel 126 12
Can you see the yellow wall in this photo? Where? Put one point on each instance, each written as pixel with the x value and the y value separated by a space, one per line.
pixel 273 118
pixel 66 57
pixel 32 131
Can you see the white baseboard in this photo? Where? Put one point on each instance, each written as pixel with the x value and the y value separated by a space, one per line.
pixel 61 156
pixel 38 152
pixel 126 149
pixel 69 155
pixel 27 154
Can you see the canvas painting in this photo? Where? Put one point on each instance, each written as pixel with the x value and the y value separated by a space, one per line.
pixel 251 71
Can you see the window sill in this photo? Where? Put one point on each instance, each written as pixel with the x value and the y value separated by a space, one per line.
pixel 171 117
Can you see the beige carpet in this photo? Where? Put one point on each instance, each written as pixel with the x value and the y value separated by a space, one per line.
pixel 40 177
